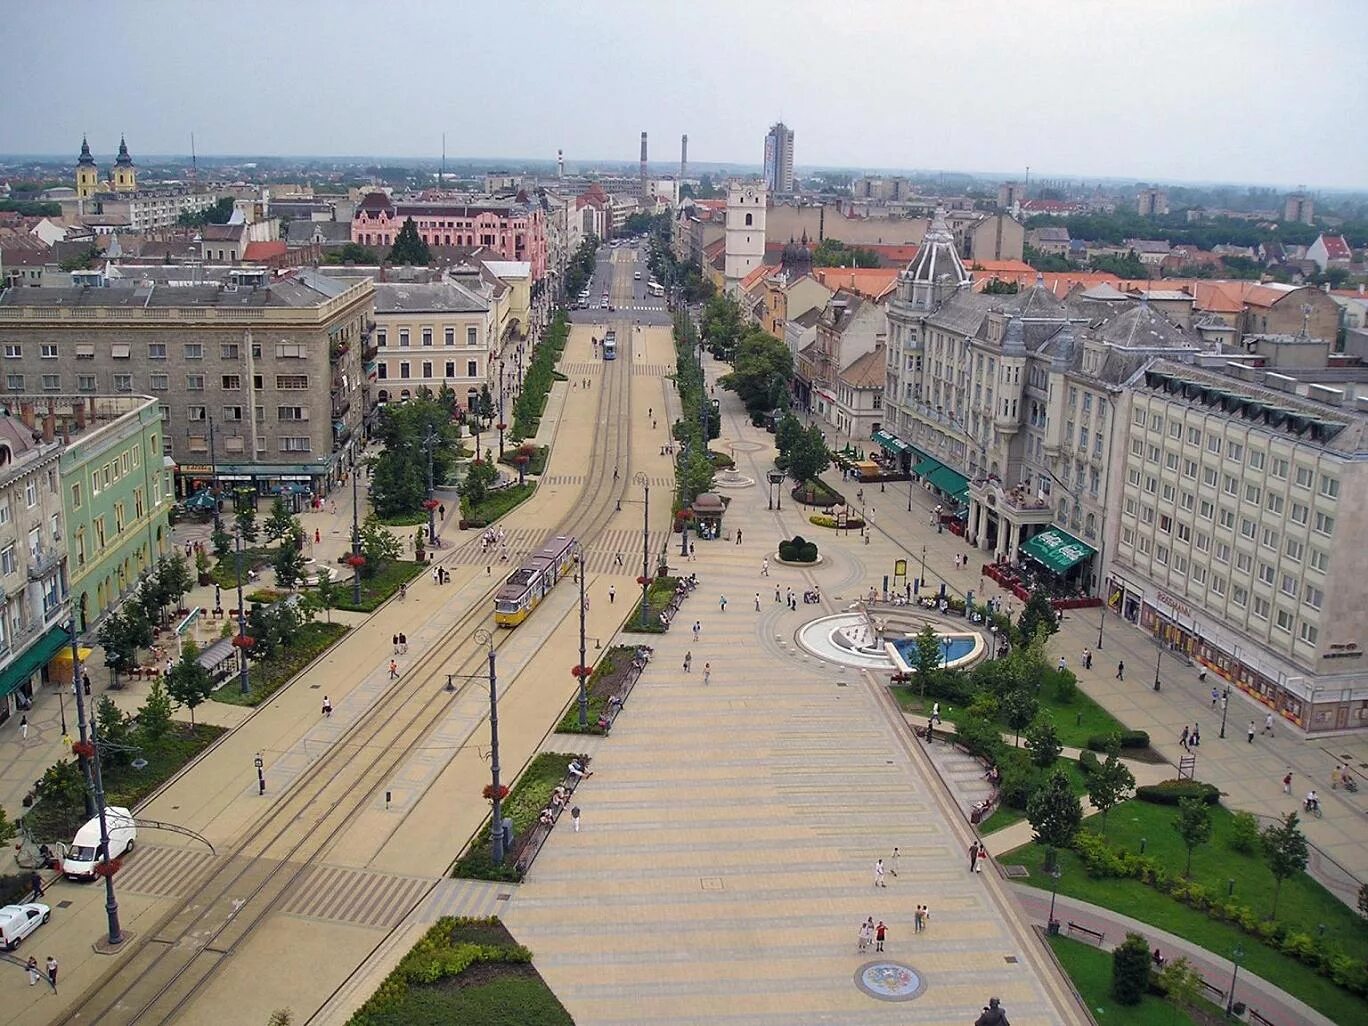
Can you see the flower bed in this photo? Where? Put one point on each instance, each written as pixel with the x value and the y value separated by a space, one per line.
pixel 817 493
pixel 822 520
pixel 605 681
pixel 523 805
pixel 268 676
pixel 659 595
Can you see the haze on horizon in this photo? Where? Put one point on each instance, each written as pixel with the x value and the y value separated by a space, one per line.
pixel 1214 90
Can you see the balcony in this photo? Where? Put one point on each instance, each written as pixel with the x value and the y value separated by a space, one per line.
pixel 340 405
pixel 1021 504
pixel 43 562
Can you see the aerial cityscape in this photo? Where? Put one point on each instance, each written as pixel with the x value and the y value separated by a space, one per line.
pixel 969 404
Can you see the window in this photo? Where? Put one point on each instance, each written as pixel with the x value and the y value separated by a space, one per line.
pixel 292 382
pixel 381 338
pixel 123 382
pixel 1161 555
pixel 1278 468
pixel 291 413
pixel 1156 422
pixel 7 561
pixel 1294 550
pixel 121 350
pixel 1319 561
pixel 196 413
pixel 448 336
pixel 427 336
pixel 1209 476
pixel 1266 573
pixel 427 368
pixel 1303 478
pixel 1283 620
pixel 1199 573
pixel 76 495
pixel 1227 519
pixel 1138 417
pixel 194 382
pixel 232 382
pixel 1247 528
pixel 1244 562
pixel 1137 447
pixel 159 382
pixel 1152 453
pixel 1146 514
pixel 229 350
pixel 1206 510
pixel 1166 523
pixel 1222 552
pixel 13 351
pixel 1175 429
pixel 1167 492
pixel 1194 436
pixel 52 382
pixel 31 493
pixel 1308 633
pixel 403 369
pixel 1288 585
pixel 1270 538
pixel 1256 459
pixel 1329 486
pixel 1261 607
pixel 156 350
pixel 14 382
pixel 1171 460
pixel 1253 493
pixel 1213 444
pixel 294 444
pixel 1239 595
pixel 1203 542
pixel 472 336
pixel 1300 513
pixel 1151 484
pixel 290 351
pixel 1229 485
pixel 1186 501
pixel 1218 585
pixel 1133 476
pixel 403 336
pixel 1325 523
pixel 1274 503
pixel 232 413
pixel 1131 507
pixel 48 350
pixel 1234 452
pixel 471 369
pixel 194 351
pixel 1184 532
pixel 85 382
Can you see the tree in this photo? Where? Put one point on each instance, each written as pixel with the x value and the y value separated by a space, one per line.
pixel 190 684
pixel 115 732
pixel 154 716
pixel 786 432
pixel 352 253
pixel 1110 785
pixel 808 457
pixel 326 594
pixel 1000 287
pixel 280 1017
pixel 245 514
pixel 378 545
pixel 1038 613
pixel 7 829
pixel 1193 825
pixel 1130 969
pixel 220 539
pixel 119 636
pixel 834 253
pixel 1055 811
pixel 409 247
pixel 927 657
pixel 1019 708
pixel 280 522
pixel 399 474
pixel 480 476
pixel 289 561
pixel 80 261
pixel 1181 983
pixel 757 359
pixel 1042 741
pixel 219 213
pixel 1286 851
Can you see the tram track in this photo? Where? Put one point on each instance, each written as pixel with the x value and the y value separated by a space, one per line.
pixel 172 963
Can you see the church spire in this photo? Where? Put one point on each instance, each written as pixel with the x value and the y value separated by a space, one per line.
pixel 123 159
pixel 85 158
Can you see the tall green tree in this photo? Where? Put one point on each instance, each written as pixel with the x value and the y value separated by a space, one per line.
pixel 1055 811
pixel 1042 741
pixel 190 683
pixel 115 733
pixel 1037 614
pixel 927 655
pixel 1019 708
pixel 1286 851
pixel 1181 983
pixel 245 514
pixel 722 324
pixel 280 521
pixel 1130 969
pixel 289 561
pixel 326 594
pixel 1193 825
pixel 409 247
pixel 1110 785
pixel 408 432
pixel 807 458
pixel 378 544
pixel 154 715
pixel 758 359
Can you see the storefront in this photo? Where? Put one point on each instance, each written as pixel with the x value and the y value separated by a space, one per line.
pixel 28 670
pixel 1060 553
pixel 261 478
pixel 900 453
pixel 950 485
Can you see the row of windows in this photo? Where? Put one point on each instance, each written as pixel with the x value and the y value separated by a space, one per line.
pixel 1303 476
pixel 236 443
pixel 449 336
pixel 197 413
pixel 159 350
pixel 160 382
pixel 119 466
pixel 97 524
pixel 405 369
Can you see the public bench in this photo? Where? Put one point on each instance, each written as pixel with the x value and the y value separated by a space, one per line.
pixel 1096 935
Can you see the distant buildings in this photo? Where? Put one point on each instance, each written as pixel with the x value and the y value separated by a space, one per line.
pixel 1330 251
pixel 779 159
pixel 119 203
pixel 515 229
pixel 1152 203
pixel 1299 208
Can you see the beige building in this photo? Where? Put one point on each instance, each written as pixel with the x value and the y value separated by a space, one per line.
pixel 850 326
pixel 858 409
pixel 431 335
pixel 1238 535
pixel 260 380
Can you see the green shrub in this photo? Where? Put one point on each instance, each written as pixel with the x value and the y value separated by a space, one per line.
pixel 822 520
pixel 798 550
pixel 1130 969
pixel 1088 762
pixel 1063 685
pixel 1128 738
pixel 1171 792
pixel 1244 833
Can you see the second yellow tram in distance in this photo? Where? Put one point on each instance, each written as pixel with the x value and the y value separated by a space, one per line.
pixel 532 581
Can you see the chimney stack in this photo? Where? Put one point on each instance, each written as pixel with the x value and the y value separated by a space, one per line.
pixel 560 163
pixel 26 414
pixel 683 157
pixel 643 168
pixel 80 414
pixel 49 425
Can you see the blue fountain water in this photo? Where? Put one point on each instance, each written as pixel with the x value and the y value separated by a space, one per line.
pixel 959 648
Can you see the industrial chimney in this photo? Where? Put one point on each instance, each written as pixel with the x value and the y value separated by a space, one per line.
pixel 560 163
pixel 683 157
pixel 642 196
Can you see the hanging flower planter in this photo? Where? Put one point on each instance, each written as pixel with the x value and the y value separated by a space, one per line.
pixel 522 459
pixel 684 514
pixel 355 559
pixel 643 580
pixel 430 504
pixel 490 794
pixel 84 748
pixel 580 671
pixel 502 426
pixel 243 641
pixel 108 868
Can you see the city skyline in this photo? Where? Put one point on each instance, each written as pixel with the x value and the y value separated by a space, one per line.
pixel 1161 107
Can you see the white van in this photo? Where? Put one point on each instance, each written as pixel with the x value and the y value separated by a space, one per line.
pixel 18 921
pixel 81 858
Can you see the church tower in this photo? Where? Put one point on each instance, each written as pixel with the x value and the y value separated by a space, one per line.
pixel 87 175
pixel 125 174
pixel 745 250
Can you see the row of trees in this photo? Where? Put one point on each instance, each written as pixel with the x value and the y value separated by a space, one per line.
pixel 694 470
pixel 580 269
pixel 835 253
pixel 687 277
pixel 131 626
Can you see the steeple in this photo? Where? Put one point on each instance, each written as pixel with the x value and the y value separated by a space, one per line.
pixel 125 174
pixel 123 159
pixel 87 175
pixel 85 158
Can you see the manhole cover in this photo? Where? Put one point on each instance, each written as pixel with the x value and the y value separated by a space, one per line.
pixel 890 981
pixel 711 883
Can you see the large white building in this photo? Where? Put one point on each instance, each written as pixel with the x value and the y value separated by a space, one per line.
pixel 779 159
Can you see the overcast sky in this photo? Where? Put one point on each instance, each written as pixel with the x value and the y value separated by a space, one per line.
pixel 1227 90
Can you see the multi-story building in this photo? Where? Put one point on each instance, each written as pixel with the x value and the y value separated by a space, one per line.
pixel 122 200
pixel 1242 506
pixel 430 336
pixel 779 159
pixel 514 229
pixel 259 381
pixel 1299 208
pixel 850 326
pixel 745 234
pixel 1152 203
pixel 34 611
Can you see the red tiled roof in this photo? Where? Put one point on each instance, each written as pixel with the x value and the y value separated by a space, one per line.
pixel 265 250
pixel 1336 248
pixel 894 254
pixel 763 271
pixel 873 282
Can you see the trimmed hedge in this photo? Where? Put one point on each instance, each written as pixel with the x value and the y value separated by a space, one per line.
pixel 1171 792
pixel 798 550
pixel 1088 762
pixel 822 520
pixel 1129 739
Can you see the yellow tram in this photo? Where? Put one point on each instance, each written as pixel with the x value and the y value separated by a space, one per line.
pixel 531 582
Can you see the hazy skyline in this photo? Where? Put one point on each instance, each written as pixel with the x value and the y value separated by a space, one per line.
pixel 1200 90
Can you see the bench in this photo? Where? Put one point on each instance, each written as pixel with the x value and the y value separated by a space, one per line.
pixel 1096 935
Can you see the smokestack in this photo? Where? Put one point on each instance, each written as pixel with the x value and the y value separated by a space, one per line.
pixel 683 157
pixel 643 167
pixel 560 163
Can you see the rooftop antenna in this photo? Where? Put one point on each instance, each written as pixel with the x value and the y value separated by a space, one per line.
pixel 441 181
pixel 194 167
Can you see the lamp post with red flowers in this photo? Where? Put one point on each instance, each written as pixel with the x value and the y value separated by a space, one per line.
pixel 645 482
pixel 582 671
pixel 106 868
pixel 496 791
pixel 241 641
pixel 356 561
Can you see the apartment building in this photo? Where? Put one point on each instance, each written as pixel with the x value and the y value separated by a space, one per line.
pixel 514 229
pixel 429 336
pixel 34 609
pixel 259 381
pixel 1238 536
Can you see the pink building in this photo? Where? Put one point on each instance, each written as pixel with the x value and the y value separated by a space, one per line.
pixel 514 229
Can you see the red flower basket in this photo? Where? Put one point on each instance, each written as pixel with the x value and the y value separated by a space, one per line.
pixel 579 671
pixel 243 641
pixel 489 793
pixel 522 459
pixel 684 514
pixel 85 748
pixel 643 580
pixel 502 426
pixel 108 868
pixel 355 559
pixel 527 448
pixel 430 504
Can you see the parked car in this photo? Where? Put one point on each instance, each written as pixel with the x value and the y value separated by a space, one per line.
pixel 18 921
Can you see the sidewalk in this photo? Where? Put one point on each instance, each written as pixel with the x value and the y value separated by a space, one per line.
pixel 1260 995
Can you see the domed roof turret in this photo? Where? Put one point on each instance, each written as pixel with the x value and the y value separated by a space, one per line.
pixel 85 158
pixel 936 261
pixel 123 159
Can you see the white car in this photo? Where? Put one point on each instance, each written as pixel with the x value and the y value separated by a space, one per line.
pixel 18 921
pixel 636 276
pixel 603 305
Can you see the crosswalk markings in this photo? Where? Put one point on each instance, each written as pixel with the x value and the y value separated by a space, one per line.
pixel 166 872
pixel 355 896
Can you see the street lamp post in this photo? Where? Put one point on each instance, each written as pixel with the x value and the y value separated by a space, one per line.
pixel 496 832
pixel 80 719
pixel 1236 957
pixel 429 443
pixel 259 764
pixel 645 482
pixel 1101 588
pixel 923 573
pixel 503 387
pixel 1225 708
pixel 356 542
pixel 1052 924
pixel 111 903
pixel 244 684
pixel 1158 658
pixel 583 669
pixel 992 630
pixel 775 478
pixel 909 493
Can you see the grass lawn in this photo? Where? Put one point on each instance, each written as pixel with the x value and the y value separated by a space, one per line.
pixel 1003 816
pixel 523 805
pixel 224 572
pixel 269 675
pixel 464 971
pixel 1091 971
pixel 374 590
pixel 817 493
pixel 1076 721
pixel 496 504
pixel 658 596
pixel 406 519
pixel 607 677
pixel 1302 906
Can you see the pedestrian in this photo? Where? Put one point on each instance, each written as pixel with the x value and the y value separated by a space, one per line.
pixel 776 593
pixel 722 603
pixel 973 855
pixel 1121 670
pixel 394 670
pixel 1250 738
pixel 23 727
pixel 85 683
pixel 1268 725
pixel 575 817
pixel 738 536
pixel 707 673
pixel 880 932
pixel 327 708
pixel 52 972
pixel 693 552
pixel 918 921
pixel 617 558
pixel 1195 738
pixel 395 640
pixel 879 874
pixel 982 857
pixel 688 661
pixel 36 884
pixel 1087 659
pixel 698 626
pixel 612 594
pixel 764 567
pixel 1287 782
pixel 441 512
pixel 757 602
pixel 893 861
pixel 1183 738
pixel 403 639
pixel 1334 780
pixel 935 712
pixel 32 969
pixel 866 935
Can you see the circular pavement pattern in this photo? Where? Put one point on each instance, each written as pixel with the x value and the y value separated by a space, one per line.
pixel 890 981
pixel 747 446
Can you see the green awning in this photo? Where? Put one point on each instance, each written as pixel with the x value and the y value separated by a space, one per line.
pixel 891 443
pixel 36 655
pixel 948 481
pixel 1057 550
pixel 924 468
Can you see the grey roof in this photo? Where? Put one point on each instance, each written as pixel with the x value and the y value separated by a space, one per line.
pixel 1051 234
pixel 301 290
pixel 303 233
pixel 438 297
pixel 1141 327
pixel 808 318
pixel 1104 291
